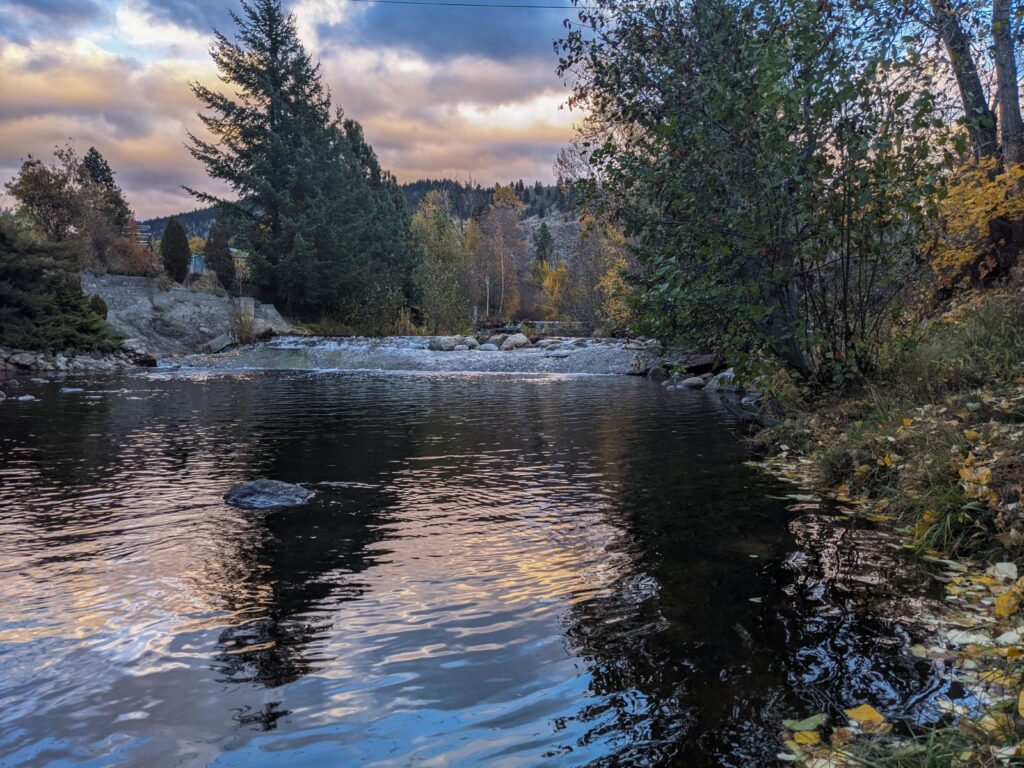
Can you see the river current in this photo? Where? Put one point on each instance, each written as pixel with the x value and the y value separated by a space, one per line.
pixel 495 570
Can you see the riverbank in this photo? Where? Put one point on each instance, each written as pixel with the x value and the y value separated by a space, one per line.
pixel 933 451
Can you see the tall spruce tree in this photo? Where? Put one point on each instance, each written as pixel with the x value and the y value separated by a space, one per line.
pixel 324 226
pixel 174 251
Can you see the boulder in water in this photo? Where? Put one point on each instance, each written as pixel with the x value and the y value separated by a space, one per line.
pixel 264 494
pixel 515 341
pixel 443 343
pixel 70 390
pixel 692 382
pixel 488 347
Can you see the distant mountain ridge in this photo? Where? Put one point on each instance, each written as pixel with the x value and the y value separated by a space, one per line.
pixel 467 200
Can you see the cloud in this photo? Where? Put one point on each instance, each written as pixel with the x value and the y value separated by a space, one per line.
pixel 464 109
pixel 440 33
pixel 23 20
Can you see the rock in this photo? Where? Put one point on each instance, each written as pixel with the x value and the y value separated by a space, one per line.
pixel 488 347
pixel 443 343
pixel 461 348
pixel 3 396
pixel 692 382
pixel 27 399
pixel 1003 571
pixel 497 339
pixel 471 342
pixel 752 398
pixel 698 364
pixel 70 390
pixel 37 380
pixel 138 353
pixel 724 382
pixel 219 343
pixel 264 494
pixel 656 372
pixel 515 341
pixel 24 359
pixel 14 383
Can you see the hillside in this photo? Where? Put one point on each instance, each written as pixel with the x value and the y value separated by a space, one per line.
pixel 467 200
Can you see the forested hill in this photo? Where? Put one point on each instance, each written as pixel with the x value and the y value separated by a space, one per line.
pixel 197 223
pixel 467 200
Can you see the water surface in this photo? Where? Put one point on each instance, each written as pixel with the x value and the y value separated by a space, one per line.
pixel 495 571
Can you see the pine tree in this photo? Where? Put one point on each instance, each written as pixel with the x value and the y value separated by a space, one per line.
pixel 543 244
pixel 41 300
pixel 174 251
pixel 217 252
pixel 324 225
pixel 96 170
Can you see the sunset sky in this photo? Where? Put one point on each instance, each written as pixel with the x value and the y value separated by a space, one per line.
pixel 454 92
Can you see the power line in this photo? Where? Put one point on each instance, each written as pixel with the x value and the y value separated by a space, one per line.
pixel 440 3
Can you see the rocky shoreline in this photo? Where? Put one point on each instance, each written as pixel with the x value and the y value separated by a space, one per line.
pixel 130 354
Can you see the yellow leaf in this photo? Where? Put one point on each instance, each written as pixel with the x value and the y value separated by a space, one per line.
pixel 972 435
pixel 908 422
pixel 865 713
pixel 806 738
pixel 1020 704
pixel 1007 604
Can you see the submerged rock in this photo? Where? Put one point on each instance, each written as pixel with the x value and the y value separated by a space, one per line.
pixel 264 494
pixel 693 382
pixel 488 347
pixel 70 390
pixel 27 399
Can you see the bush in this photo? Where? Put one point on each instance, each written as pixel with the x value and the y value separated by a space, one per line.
pixel 127 256
pixel 98 305
pixel 41 301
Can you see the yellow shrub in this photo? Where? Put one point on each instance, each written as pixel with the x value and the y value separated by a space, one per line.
pixel 975 197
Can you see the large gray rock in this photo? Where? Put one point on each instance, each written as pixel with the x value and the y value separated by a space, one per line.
pixel 471 342
pixel 24 359
pixel 443 343
pixel 693 382
pixel 515 341
pixel 265 494
pixel 488 347
pixel 220 343
pixel 497 339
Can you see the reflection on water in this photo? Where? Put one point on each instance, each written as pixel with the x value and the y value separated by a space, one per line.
pixel 494 571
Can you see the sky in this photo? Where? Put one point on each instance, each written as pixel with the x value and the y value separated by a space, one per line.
pixel 441 92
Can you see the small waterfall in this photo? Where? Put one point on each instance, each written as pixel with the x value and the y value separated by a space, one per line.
pixel 410 354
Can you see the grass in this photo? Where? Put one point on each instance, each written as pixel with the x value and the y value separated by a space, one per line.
pixel 934 443
pixel 943 413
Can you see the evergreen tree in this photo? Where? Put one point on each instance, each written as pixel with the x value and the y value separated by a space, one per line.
pixel 96 170
pixel 219 258
pixel 175 254
pixel 41 300
pixel 543 244
pixel 326 228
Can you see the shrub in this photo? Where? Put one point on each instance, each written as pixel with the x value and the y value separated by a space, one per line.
pixel 98 305
pixel 127 256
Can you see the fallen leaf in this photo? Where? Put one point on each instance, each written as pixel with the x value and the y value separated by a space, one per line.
pixel 865 713
pixel 807 724
pixel 1007 604
pixel 807 738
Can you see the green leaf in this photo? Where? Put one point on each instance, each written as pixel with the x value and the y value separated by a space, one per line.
pixel 807 724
